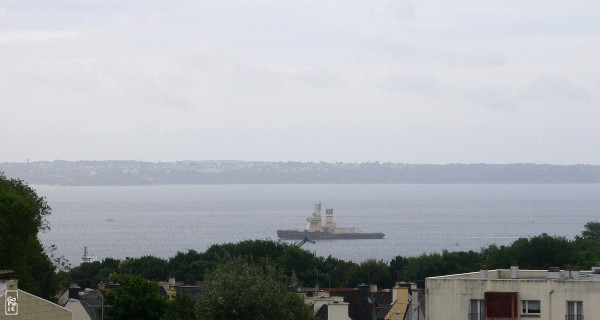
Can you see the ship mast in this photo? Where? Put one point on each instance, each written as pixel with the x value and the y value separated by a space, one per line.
pixel 85 257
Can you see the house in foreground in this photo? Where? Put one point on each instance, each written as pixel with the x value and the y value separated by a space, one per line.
pixel 509 294
pixel 17 304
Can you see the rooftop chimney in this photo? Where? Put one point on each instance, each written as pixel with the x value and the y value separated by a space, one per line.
pixel 8 281
pixel 364 290
pixel 12 284
pixel 574 272
pixel 553 273
pixel 596 274
pixel 514 272
pixel 483 273
pixel 74 290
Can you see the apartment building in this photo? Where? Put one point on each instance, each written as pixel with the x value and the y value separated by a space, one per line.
pixel 508 294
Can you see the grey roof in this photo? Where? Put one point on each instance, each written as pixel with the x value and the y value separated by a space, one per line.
pixel 383 302
pixel 90 300
pixel 323 312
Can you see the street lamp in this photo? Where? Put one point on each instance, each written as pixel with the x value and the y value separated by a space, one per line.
pixel 317 285
pixel 101 297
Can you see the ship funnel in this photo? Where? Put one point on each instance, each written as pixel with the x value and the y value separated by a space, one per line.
pixel 330 225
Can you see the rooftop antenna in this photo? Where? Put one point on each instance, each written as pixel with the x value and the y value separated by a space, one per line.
pixel 85 257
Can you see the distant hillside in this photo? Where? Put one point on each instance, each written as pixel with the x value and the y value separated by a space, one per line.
pixel 240 172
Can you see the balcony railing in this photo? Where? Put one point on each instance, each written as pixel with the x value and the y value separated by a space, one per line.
pixel 572 317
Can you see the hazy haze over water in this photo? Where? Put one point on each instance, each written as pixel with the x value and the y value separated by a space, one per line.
pixel 161 220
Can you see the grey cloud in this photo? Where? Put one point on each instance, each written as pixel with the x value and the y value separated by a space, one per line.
pixel 249 71
pixel 8 37
pixel 555 89
pixel 425 84
pixel 493 98
pixel 395 10
pixel 318 78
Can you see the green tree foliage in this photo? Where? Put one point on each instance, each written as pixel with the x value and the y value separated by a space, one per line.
pixel 376 272
pixel 336 271
pixel 22 216
pixel 539 252
pixel 254 249
pixel 241 290
pixel 588 245
pixel 416 269
pixel 189 267
pixel 137 298
pixel 90 274
pixel 148 267
pixel 300 262
pixel 591 232
pixel 183 307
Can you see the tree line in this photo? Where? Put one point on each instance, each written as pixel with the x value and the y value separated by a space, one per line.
pixel 538 252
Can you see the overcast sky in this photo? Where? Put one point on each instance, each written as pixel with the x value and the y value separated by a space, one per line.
pixel 350 81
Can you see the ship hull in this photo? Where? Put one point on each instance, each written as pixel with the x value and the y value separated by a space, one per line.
pixel 323 235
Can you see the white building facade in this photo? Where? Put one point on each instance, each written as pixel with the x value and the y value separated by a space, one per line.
pixel 514 294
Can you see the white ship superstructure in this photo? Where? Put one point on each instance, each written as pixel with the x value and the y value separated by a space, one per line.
pixel 316 230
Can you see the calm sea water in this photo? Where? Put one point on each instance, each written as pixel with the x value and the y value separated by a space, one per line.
pixel 161 220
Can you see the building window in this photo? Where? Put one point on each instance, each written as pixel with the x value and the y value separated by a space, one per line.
pixel 530 307
pixel 477 310
pixel 574 310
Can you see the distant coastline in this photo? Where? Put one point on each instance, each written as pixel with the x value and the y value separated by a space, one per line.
pixel 134 173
